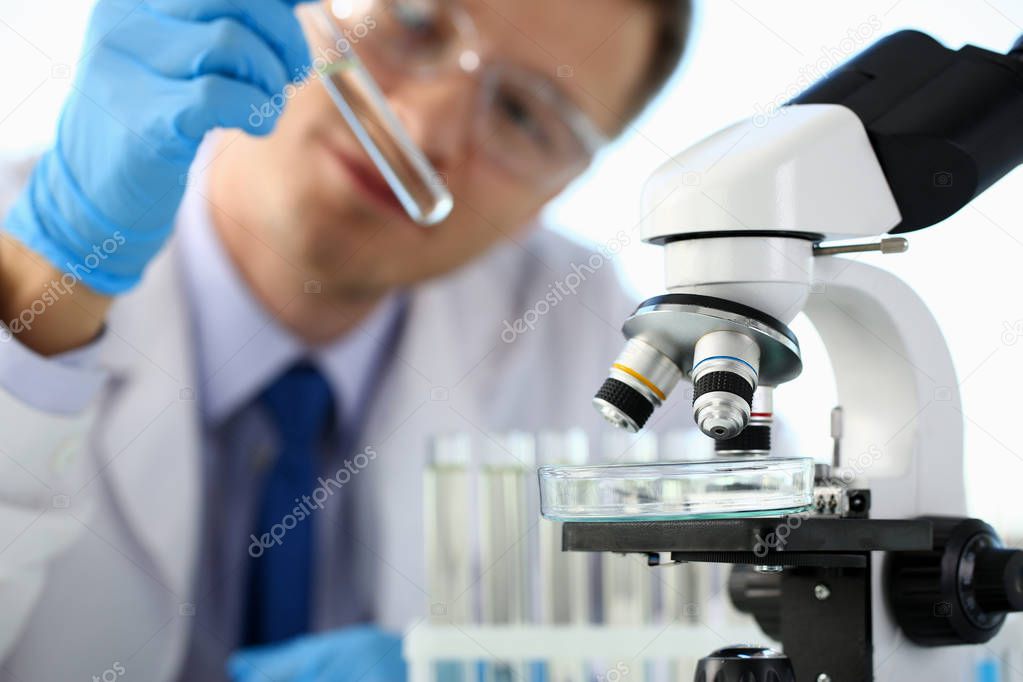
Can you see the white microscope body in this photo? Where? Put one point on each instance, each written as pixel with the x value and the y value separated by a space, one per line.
pixel 812 170
pixel 903 136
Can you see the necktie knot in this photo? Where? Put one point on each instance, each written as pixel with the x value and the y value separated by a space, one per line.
pixel 300 404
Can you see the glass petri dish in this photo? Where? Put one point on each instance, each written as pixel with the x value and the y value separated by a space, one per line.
pixel 717 488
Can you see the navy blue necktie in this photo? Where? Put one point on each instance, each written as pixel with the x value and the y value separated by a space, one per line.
pixel 279 601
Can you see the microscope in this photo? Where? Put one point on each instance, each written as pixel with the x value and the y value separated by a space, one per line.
pixel 884 574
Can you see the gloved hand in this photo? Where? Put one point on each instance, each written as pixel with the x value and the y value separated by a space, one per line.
pixel 157 76
pixel 359 653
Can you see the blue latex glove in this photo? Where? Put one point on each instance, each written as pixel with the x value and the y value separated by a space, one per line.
pixel 359 653
pixel 157 76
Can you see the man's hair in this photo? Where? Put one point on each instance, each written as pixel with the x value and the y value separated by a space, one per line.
pixel 672 22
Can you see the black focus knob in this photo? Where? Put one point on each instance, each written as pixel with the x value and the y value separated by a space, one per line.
pixel 759 595
pixel 960 590
pixel 998 580
pixel 745 664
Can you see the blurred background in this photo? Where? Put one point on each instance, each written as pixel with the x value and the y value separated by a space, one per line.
pixel 746 57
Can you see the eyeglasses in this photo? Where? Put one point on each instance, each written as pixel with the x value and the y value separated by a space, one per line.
pixel 522 122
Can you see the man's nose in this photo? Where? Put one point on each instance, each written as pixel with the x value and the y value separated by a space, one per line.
pixel 438 114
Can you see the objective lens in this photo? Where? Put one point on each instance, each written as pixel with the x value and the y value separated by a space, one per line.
pixel 725 369
pixel 640 380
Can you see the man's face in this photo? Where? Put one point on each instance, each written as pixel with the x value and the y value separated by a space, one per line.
pixel 308 188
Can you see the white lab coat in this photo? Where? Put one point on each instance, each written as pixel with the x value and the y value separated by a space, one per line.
pixel 99 512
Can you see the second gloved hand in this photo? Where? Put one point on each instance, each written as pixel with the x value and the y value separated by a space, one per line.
pixel 359 653
pixel 156 77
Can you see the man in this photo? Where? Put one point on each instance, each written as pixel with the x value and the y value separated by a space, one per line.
pixel 167 398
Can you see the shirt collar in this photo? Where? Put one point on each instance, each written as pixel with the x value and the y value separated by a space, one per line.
pixel 241 348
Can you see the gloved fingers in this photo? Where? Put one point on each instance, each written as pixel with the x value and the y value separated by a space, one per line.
pixel 219 102
pixel 178 113
pixel 360 653
pixel 379 660
pixel 222 47
pixel 274 20
pixel 285 662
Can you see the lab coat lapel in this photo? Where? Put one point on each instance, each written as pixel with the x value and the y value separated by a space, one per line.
pixel 451 334
pixel 149 440
pixel 439 381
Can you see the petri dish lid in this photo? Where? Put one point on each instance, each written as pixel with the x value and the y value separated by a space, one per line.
pixel 716 488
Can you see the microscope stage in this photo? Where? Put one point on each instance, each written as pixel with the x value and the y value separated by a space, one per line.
pixel 795 540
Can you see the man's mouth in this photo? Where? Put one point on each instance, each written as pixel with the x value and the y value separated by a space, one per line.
pixel 367 179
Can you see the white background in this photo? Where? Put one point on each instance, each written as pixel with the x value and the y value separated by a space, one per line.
pixel 745 55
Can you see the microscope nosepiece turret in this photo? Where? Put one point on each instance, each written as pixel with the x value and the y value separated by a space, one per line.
pixel 728 350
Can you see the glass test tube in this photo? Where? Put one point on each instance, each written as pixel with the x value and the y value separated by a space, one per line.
pixel 506 599
pixel 403 165
pixel 627 583
pixel 566 588
pixel 448 535
pixel 681 594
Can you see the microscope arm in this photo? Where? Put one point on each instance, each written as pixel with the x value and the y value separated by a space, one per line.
pixel 897 387
pixel 903 430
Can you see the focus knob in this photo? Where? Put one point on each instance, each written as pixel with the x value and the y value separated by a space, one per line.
pixel 745 664
pixel 960 590
pixel 998 580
